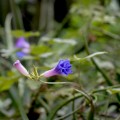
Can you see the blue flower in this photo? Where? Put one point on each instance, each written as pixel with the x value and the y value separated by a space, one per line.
pixel 20 54
pixel 63 68
pixel 24 47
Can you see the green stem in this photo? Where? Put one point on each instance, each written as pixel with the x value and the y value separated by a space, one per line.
pixel 88 97
pixel 35 98
pixel 66 19
pixel 69 114
pixel 53 113
pixel 54 83
pixel 107 33
pixel 17 17
pixel 32 104
pixel 9 39
pixel 108 81
pixel 73 109
pixel 104 89
pixel 43 103
pixel 16 98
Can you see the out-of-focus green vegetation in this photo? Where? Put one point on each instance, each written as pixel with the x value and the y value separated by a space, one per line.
pixel 76 28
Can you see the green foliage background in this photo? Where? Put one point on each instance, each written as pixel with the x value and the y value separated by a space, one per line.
pixel 92 26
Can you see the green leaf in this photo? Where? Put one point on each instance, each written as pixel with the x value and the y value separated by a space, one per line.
pixel 37 50
pixel 113 91
pixel 19 33
pixel 16 98
pixel 65 41
pixel 95 54
pixel 87 57
pixel 9 39
pixel 6 82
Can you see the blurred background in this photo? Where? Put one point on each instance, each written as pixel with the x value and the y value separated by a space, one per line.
pixel 54 30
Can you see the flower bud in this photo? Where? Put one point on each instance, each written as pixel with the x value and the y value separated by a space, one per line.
pixel 20 68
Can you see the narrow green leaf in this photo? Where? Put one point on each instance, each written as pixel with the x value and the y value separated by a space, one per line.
pixel 19 33
pixel 87 57
pixel 17 17
pixel 95 54
pixel 113 90
pixel 16 98
pixel 8 31
pixel 62 104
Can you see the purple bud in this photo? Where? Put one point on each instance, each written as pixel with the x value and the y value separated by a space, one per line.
pixel 24 46
pixel 20 68
pixel 63 68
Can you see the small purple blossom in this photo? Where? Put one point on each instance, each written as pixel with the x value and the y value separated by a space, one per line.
pixel 24 46
pixel 63 68
pixel 17 64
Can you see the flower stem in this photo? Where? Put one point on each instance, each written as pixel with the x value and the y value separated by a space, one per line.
pixel 73 109
pixel 14 94
pixel 53 113
pixel 88 97
pixel 54 83
pixel 32 105
pixel 58 107
pixel 108 81
pixel 67 115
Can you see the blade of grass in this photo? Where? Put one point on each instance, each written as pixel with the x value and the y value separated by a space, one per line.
pixel 14 94
pixel 55 110
pixel 107 79
pixel 17 17
pixel 9 40
pixel 88 97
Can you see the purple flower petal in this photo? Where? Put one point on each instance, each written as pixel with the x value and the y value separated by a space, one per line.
pixel 63 68
pixel 20 54
pixel 22 43
pixel 50 73
pixel 24 46
pixel 20 68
